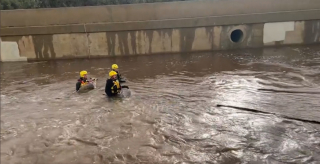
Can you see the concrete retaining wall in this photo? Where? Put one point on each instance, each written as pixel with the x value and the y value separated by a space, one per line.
pixel 103 31
pixel 10 52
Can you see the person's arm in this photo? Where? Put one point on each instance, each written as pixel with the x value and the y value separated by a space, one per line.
pixel 78 85
pixel 118 74
pixel 106 88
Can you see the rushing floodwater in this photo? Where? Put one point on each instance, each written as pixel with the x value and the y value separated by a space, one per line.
pixel 171 116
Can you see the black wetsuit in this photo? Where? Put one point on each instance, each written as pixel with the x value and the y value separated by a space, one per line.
pixel 111 88
pixel 80 81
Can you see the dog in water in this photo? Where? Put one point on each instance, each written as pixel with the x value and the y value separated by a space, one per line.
pixel 93 81
pixel 90 86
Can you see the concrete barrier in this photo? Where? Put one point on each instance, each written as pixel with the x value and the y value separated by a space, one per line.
pixel 10 52
pixel 104 31
pixel 149 11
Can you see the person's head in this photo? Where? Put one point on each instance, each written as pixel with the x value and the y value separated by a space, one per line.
pixel 114 67
pixel 83 74
pixel 113 75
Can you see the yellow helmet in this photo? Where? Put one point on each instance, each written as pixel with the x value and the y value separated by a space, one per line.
pixel 114 66
pixel 112 73
pixel 82 73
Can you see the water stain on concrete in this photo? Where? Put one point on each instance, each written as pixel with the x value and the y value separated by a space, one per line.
pixel 149 34
pixel 111 42
pixel 43 44
pixel 124 45
pixel 169 33
pixel 256 35
pixel 210 32
pixel 133 41
pixel 187 36
pixel 312 32
pixel 138 45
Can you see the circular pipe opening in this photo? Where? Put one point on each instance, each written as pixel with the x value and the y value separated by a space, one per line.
pixel 236 36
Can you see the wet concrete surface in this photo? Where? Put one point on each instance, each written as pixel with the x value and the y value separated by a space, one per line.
pixel 171 115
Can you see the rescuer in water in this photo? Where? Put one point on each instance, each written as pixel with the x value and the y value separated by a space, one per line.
pixel 83 81
pixel 115 69
pixel 113 86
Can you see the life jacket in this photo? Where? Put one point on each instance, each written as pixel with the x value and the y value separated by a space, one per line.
pixel 83 82
pixel 116 85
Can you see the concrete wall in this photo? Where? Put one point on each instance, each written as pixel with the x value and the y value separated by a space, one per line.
pixel 10 52
pixel 103 31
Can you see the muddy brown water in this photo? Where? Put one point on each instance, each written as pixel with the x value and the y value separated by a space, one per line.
pixel 171 116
